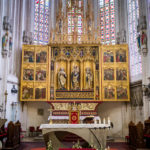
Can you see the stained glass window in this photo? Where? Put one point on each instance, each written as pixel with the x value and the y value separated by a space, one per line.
pixel 107 21
pixel 41 17
pixel 75 16
pixel 135 57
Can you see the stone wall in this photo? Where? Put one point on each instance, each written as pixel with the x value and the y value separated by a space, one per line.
pixel 30 115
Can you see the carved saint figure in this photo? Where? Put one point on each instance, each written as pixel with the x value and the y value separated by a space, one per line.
pixel 139 41
pixel 5 41
pixel 62 79
pixel 75 78
pixel 89 78
pixel 60 25
pixel 143 38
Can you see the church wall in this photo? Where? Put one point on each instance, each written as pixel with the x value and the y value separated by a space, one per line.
pixel 148 33
pixel 119 113
pixel 13 106
pixel 30 116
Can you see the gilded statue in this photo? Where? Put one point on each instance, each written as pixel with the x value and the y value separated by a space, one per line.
pixel 89 78
pixel 62 79
pixel 75 78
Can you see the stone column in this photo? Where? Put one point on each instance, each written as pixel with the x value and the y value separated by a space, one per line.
pixel 142 26
pixel 4 63
pixel 121 21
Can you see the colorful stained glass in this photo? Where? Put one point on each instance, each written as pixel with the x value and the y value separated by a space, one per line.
pixel 75 18
pixel 135 58
pixel 41 17
pixel 107 21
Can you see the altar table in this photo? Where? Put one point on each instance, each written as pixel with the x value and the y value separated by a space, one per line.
pixel 92 133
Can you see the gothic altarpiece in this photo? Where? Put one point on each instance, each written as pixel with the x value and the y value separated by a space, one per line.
pixel 74 67
pixel 80 73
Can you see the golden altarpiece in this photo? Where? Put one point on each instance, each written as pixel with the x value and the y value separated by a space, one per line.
pixel 74 67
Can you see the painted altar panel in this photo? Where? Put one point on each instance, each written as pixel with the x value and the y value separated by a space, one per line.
pixel 34 73
pixel 64 73
pixel 115 73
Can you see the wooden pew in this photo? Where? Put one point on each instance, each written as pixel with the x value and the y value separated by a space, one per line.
pixel 147 132
pixel 13 135
pixel 136 135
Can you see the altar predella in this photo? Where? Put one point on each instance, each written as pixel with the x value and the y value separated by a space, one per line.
pixel 81 72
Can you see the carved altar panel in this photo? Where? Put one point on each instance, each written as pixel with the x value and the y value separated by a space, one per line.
pixel 73 72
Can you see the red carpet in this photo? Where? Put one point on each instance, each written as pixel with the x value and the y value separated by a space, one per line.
pixel 63 149
pixel 38 149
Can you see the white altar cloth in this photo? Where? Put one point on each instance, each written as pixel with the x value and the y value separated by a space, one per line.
pixel 54 126
pixel 67 117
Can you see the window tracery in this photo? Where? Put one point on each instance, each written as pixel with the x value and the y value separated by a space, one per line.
pixel 135 57
pixel 41 21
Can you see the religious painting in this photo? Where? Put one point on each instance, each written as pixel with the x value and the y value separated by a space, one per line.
pixel 41 57
pixel 40 111
pixel 40 93
pixel 27 92
pixel 108 56
pixel 62 79
pixel 75 76
pixel 28 56
pixel 121 74
pixel 28 74
pixel 122 92
pixel 109 92
pixel 109 74
pixel 121 55
pixel 40 75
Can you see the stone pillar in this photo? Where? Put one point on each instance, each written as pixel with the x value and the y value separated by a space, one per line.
pixel 121 21
pixel 4 63
pixel 142 28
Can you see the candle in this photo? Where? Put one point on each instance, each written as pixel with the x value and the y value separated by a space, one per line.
pixel 99 121
pixel 108 121
pixel 104 121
